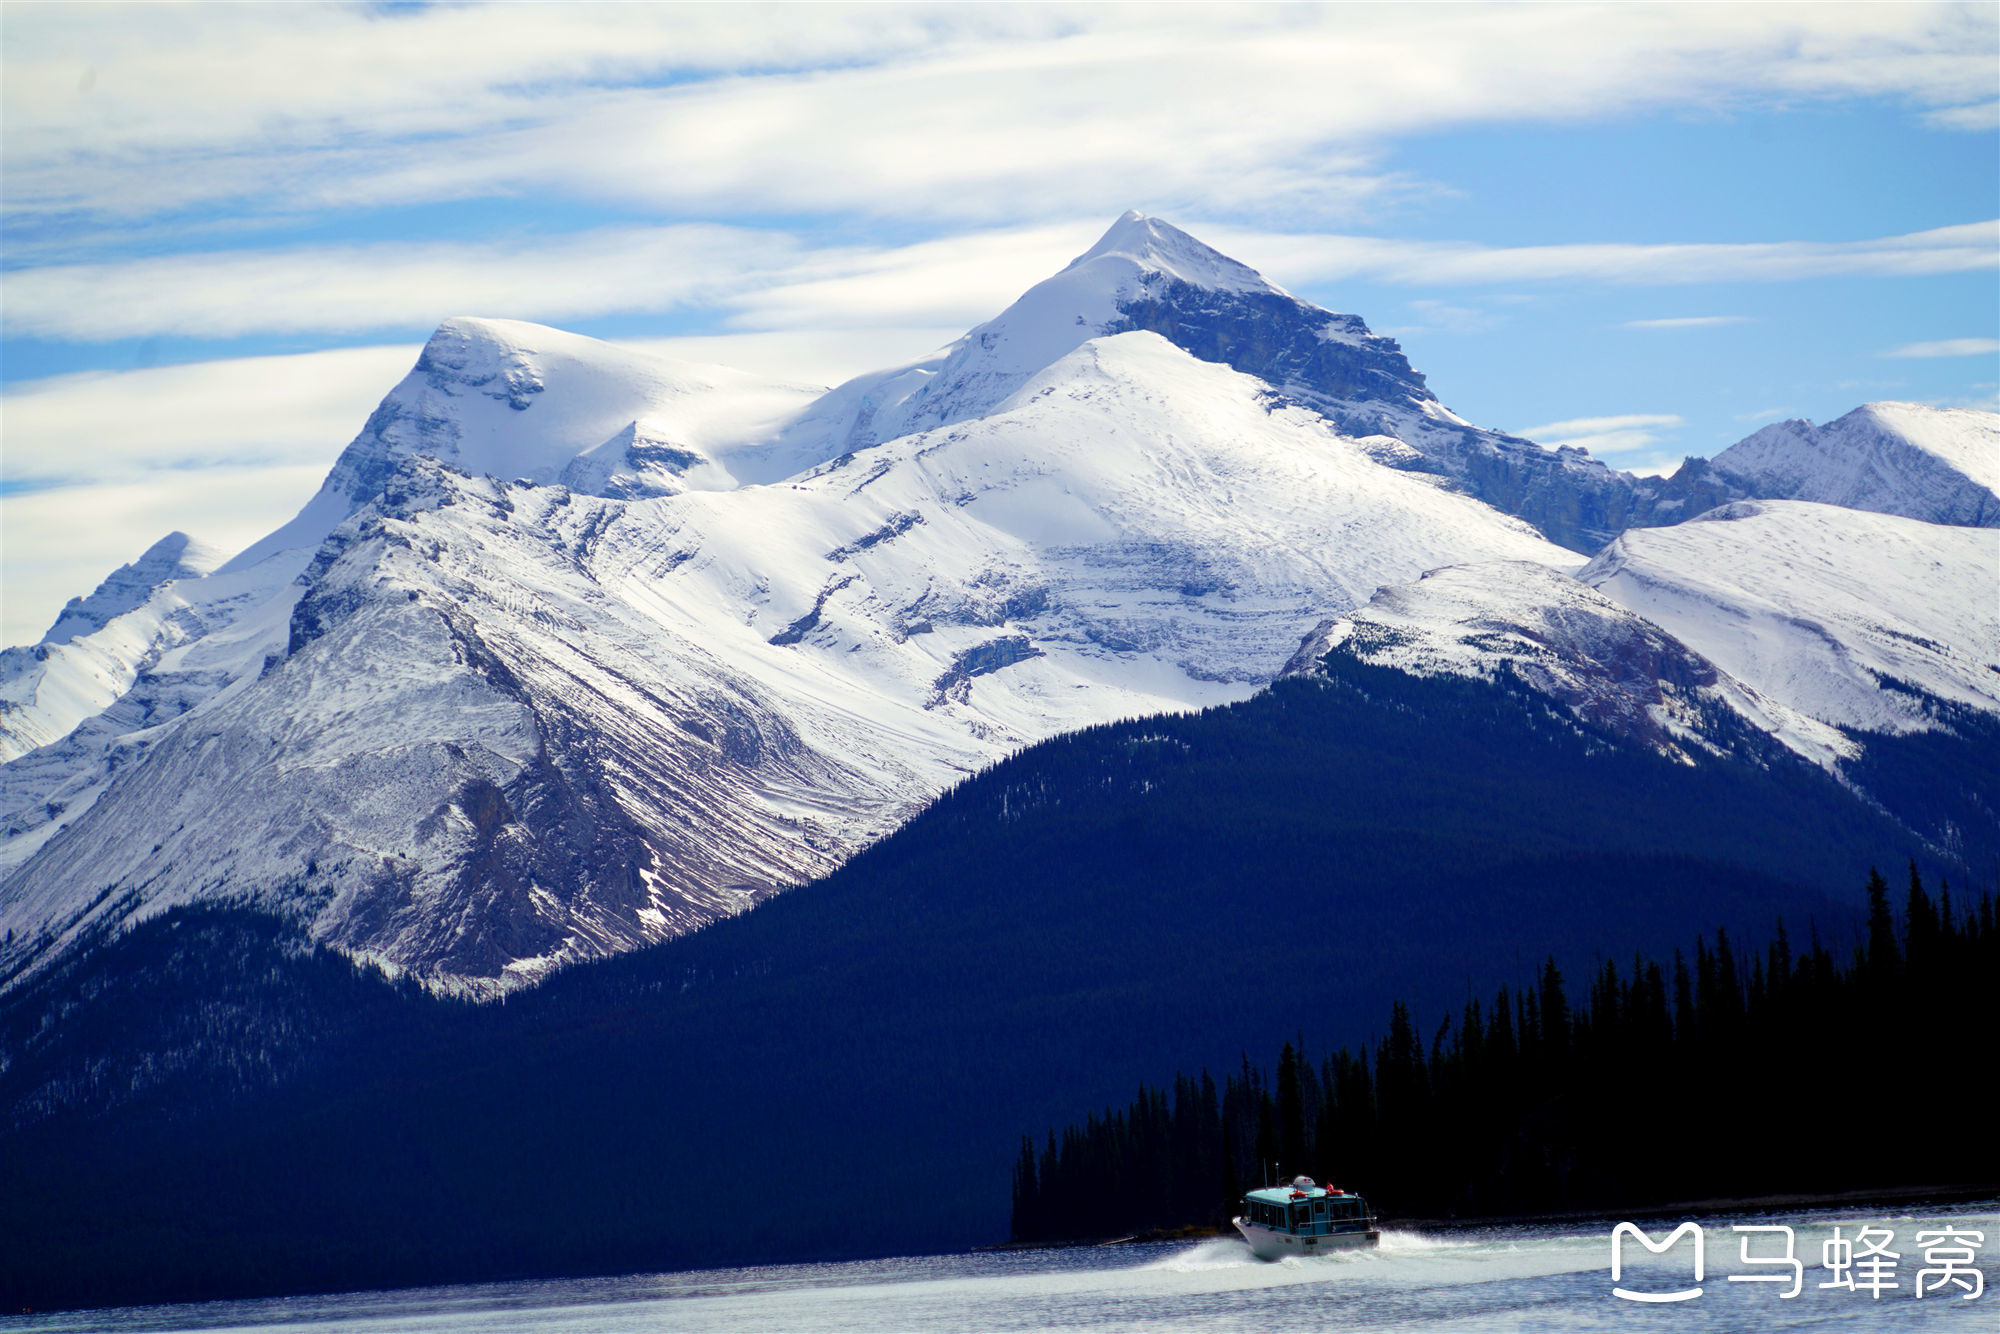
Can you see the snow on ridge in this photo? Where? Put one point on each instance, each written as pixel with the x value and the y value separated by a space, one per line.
pixel 726 692
pixel 1922 462
pixel 511 399
pixel 704 648
pixel 1153 245
pixel 175 556
pixel 1564 639
pixel 1818 605
pixel 100 645
pixel 1082 301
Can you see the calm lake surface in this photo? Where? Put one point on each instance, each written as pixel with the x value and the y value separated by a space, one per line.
pixel 1504 1278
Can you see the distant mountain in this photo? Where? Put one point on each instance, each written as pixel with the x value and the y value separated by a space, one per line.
pixel 83 663
pixel 1766 631
pixel 1937 464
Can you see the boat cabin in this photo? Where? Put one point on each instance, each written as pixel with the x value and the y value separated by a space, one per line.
pixel 1306 1211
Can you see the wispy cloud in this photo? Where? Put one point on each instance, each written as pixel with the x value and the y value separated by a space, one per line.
pixel 1444 317
pixel 390 285
pixel 1606 435
pixel 763 279
pixel 1687 322
pixel 1978 116
pixel 1304 258
pixel 1948 347
pixel 750 278
pixel 956 112
pixel 244 412
pixel 1762 415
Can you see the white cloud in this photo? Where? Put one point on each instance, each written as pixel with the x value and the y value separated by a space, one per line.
pixel 1763 415
pixel 986 112
pixel 245 412
pixel 760 279
pixel 1948 347
pixel 100 465
pixel 1444 317
pixel 1979 116
pixel 1300 258
pixel 1606 435
pixel 1688 322
pixel 757 279
pixel 388 285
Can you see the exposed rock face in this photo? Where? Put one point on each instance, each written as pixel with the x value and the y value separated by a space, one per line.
pixel 1571 643
pixel 1363 383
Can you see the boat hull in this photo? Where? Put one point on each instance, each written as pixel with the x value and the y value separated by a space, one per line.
pixel 1270 1244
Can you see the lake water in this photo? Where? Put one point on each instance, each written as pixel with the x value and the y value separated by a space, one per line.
pixel 1542 1278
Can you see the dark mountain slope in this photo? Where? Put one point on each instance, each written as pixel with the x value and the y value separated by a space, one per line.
pixel 846 1069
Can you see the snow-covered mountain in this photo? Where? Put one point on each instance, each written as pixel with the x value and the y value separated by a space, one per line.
pixel 579 648
pixel 98 645
pixel 1564 639
pixel 1866 621
pixel 1832 633
pixel 592 648
pixel 1145 274
pixel 1938 464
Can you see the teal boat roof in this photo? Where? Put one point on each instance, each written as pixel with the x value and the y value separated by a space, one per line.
pixel 1283 1194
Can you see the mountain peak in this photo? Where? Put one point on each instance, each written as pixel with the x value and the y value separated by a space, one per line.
pixel 1143 274
pixel 175 556
pixel 1941 465
pixel 1154 246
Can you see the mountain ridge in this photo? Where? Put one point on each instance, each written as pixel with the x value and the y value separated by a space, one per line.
pixel 578 648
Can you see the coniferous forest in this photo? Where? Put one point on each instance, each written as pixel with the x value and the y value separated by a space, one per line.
pixel 1728 1073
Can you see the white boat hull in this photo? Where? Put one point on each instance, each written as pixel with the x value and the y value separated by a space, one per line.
pixel 1270 1244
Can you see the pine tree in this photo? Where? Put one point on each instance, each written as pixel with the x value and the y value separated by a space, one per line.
pixel 1883 960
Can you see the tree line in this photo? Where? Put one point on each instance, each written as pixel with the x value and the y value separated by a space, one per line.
pixel 1735 1073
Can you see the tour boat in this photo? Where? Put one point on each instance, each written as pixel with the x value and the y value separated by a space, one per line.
pixel 1305 1219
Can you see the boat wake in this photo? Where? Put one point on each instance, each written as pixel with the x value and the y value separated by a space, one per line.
pixel 1222 1253
pixel 1420 1243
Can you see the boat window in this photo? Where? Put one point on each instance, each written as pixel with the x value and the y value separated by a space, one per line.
pixel 1319 1208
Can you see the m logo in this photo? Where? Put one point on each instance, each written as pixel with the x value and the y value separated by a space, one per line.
pixel 1657 1248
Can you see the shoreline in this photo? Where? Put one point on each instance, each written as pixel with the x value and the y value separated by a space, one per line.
pixel 1957 1194
pixel 1734 1204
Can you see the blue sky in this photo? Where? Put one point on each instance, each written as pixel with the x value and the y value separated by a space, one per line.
pixel 1650 230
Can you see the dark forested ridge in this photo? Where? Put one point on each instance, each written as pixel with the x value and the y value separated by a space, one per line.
pixel 1725 1074
pixel 1081 917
